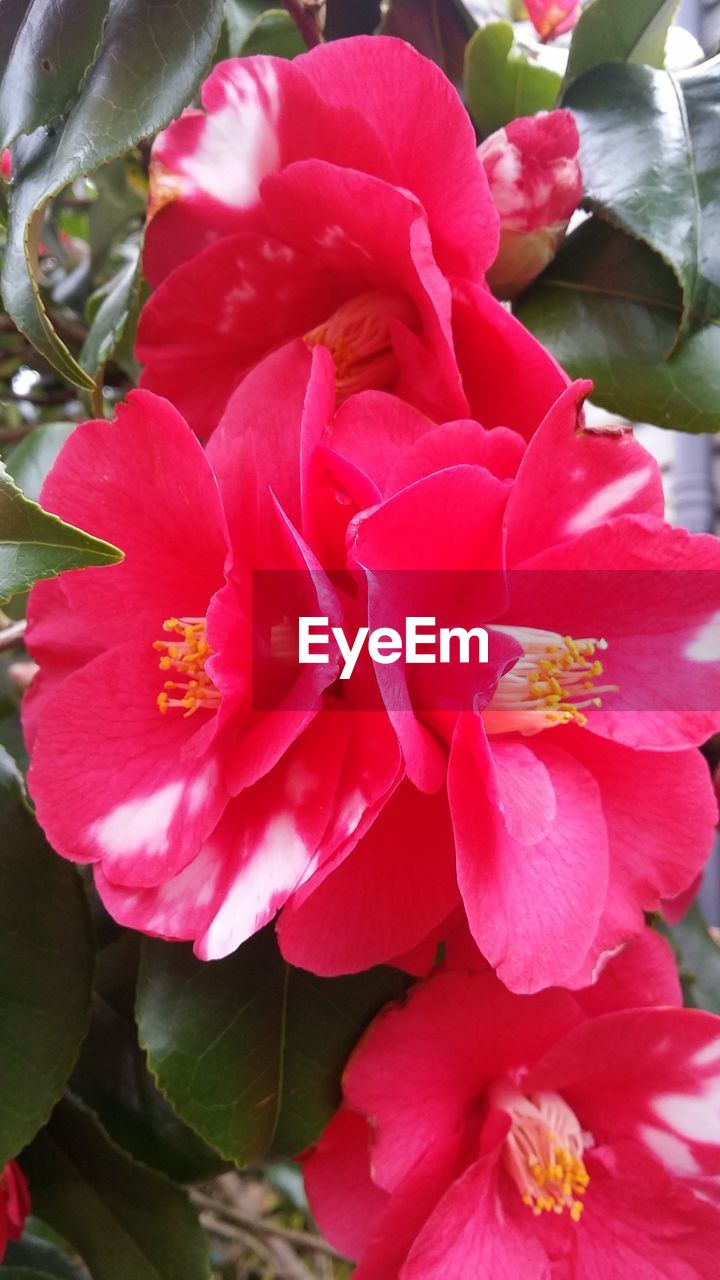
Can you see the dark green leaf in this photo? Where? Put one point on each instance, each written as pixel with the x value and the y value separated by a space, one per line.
pixel 274 33
pixel 40 1257
pixel 615 31
pixel 698 958
pixel 439 29
pixel 13 15
pixel 30 461
pixel 24 1273
pixel 501 82
pixel 665 190
pixel 700 89
pixel 609 309
pixel 35 544
pixel 249 1050
pixel 46 959
pixel 150 61
pixel 119 302
pixel 54 45
pixel 126 1222
pixel 112 1078
pixel 351 18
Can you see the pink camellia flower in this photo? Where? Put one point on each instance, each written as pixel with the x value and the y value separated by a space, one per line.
pixel 550 822
pixel 575 792
pixel 556 1135
pixel 535 180
pixel 149 755
pixel 337 198
pixel 14 1204
pixel 552 18
pixel 6 165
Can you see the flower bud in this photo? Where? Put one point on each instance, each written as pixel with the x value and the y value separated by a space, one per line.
pixel 552 18
pixel 535 180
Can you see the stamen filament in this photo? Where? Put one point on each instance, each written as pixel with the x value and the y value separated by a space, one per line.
pixel 553 683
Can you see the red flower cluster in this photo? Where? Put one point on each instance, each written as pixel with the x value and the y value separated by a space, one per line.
pixel 386 441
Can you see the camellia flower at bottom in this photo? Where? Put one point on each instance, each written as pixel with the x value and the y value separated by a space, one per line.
pixel 14 1204
pixel 550 1137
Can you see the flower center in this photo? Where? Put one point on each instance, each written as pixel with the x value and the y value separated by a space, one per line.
pixel 358 337
pixel 553 682
pixel 186 655
pixel 543 1152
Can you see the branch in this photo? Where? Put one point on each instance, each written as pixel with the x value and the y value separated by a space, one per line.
pixel 11 637
pixel 264 1226
pixel 305 14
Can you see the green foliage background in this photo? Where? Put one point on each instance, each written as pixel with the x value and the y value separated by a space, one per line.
pixel 131 1072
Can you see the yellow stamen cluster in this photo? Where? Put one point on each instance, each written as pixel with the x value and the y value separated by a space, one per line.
pixel 358 337
pixel 543 1151
pixel 556 676
pixel 559 1184
pixel 186 655
pixel 569 671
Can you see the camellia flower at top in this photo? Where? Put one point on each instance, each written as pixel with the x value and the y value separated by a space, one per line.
pixel 14 1204
pixel 552 18
pixel 211 781
pixel 551 1137
pixel 337 198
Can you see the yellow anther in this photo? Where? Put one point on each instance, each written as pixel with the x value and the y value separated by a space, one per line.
pixel 186 657
pixel 543 1151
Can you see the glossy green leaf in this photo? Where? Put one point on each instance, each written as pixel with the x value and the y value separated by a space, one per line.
pixel 46 960
pixel 112 1078
pixel 55 43
pixel 439 29
pixel 32 1256
pixel 31 459
pixel 118 303
pixel 35 544
pixel 700 89
pixel 501 82
pixel 609 309
pixel 127 1222
pixel 698 958
pixel 618 31
pixel 664 191
pixel 249 1050
pixel 273 32
pixel 151 60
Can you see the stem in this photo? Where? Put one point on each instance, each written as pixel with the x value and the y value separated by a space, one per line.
pixel 96 398
pixel 265 1226
pixel 305 17
pixel 11 637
